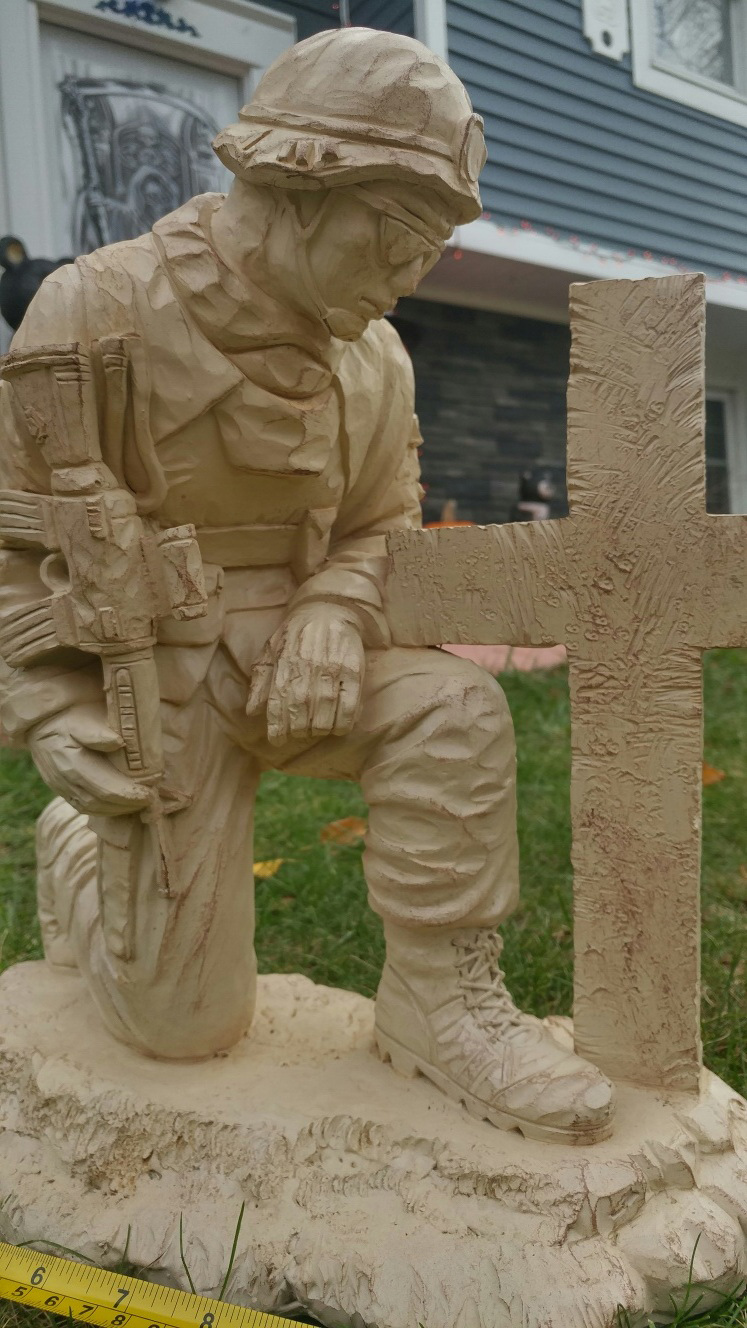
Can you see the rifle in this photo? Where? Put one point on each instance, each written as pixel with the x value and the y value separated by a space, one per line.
pixel 112 577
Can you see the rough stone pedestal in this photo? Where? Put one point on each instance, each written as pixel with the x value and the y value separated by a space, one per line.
pixel 369 1198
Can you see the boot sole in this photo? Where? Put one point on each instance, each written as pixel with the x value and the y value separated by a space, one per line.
pixel 406 1063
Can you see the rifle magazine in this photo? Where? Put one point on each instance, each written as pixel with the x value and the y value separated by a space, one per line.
pixel 26 520
pixel 28 633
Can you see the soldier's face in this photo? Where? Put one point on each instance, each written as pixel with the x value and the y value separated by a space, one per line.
pixel 368 251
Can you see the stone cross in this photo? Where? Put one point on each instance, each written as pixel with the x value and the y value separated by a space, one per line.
pixel 637 582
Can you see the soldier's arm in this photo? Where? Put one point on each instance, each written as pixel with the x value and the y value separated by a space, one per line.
pixel 384 496
pixel 51 679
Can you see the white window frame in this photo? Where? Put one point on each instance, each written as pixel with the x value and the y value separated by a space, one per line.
pixel 735 421
pixel 226 29
pixel 703 94
pixel 431 26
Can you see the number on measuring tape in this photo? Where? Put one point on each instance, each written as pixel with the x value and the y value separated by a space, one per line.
pixel 112 1304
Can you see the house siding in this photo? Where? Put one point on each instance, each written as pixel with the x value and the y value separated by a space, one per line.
pixel 576 149
pixel 315 15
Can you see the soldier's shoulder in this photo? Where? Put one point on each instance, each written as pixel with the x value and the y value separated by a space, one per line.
pixel 115 268
pixel 54 311
pixel 81 289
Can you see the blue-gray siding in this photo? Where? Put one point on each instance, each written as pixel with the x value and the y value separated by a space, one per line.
pixel 314 15
pixel 575 147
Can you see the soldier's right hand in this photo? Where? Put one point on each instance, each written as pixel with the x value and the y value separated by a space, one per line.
pixel 70 752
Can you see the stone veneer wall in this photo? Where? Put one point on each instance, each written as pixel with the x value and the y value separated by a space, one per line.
pixel 491 400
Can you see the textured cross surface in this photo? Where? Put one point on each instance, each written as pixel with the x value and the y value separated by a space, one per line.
pixel 637 582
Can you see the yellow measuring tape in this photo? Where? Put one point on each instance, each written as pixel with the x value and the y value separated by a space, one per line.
pixel 94 1295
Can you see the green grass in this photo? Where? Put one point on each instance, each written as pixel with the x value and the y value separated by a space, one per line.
pixel 313 916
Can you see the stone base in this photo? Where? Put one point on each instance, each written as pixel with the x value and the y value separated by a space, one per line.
pixel 370 1199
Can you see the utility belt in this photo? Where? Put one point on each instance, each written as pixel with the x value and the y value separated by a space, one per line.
pixel 248 546
pixel 301 547
pixel 27 631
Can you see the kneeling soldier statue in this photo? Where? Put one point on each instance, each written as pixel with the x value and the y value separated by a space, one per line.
pixel 207 434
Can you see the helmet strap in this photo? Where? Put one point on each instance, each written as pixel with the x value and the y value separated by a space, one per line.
pixel 303 263
pixel 304 234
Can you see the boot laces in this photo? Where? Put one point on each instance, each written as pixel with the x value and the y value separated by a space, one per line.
pixel 484 985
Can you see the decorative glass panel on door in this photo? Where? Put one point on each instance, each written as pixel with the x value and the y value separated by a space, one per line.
pixel 696 36
pixel 129 134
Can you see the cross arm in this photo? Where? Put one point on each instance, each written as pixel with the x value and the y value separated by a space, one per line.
pixel 486 585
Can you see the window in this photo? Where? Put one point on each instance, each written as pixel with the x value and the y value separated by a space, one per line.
pixel 726 450
pixel 694 52
pixel 696 36
pixel 717 460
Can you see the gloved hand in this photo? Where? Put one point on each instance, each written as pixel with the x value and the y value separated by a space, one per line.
pixel 69 752
pixel 309 675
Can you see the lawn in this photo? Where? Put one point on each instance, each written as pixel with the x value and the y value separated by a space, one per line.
pixel 313 916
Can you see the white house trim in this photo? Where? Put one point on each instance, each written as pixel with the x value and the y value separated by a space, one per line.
pixel 236 37
pixel 606 27
pixel 680 85
pixel 583 260
pixel 24 202
pixel 226 29
pixel 735 405
pixel 431 27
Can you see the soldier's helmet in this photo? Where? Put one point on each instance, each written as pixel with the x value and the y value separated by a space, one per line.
pixel 354 105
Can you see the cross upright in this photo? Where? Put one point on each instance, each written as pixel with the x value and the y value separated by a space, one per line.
pixel 637 582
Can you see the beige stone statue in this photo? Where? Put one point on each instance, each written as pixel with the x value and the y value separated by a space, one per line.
pixel 230 374
pixel 211 567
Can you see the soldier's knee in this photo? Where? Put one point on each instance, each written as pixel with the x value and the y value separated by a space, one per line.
pixel 466 717
pixel 470 693
pixel 175 1027
pixel 424 693
pixel 471 678
pixel 196 1041
pixel 181 1039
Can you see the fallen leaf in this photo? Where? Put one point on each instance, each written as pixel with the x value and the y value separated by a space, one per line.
pixel 743 871
pixel 269 868
pixel 347 831
pixel 711 775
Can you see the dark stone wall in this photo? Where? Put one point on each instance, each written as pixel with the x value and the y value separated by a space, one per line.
pixel 491 400
pixel 490 393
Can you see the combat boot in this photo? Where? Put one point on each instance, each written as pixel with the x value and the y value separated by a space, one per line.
pixel 443 1010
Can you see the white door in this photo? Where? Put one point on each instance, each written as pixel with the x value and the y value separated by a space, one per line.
pixel 128 135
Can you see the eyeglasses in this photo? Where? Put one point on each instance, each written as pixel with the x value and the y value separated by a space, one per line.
pixel 400 244
pixel 403 239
